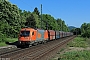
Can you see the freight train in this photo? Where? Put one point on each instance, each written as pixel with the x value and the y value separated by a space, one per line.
pixel 30 36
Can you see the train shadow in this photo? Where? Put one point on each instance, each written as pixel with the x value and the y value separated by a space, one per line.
pixel 17 44
pixel 12 43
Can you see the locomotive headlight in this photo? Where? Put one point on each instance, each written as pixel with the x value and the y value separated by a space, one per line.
pixel 20 42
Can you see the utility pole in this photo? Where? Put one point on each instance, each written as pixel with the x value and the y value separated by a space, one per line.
pixel 61 25
pixel 67 27
pixel 41 16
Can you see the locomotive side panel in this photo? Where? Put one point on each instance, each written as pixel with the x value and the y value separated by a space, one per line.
pixel 33 35
pixel 40 35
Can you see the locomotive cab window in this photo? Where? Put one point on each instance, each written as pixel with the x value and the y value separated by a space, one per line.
pixel 32 33
pixel 25 33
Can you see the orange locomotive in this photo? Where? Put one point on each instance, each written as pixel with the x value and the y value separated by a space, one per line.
pixel 29 36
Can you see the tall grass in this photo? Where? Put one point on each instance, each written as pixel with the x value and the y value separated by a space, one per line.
pixel 75 55
pixel 79 42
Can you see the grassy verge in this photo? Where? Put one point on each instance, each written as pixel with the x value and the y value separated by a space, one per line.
pixel 79 42
pixel 12 39
pixel 78 49
pixel 8 40
pixel 3 44
pixel 75 55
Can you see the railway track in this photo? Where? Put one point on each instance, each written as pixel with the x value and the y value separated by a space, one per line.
pixel 39 52
pixel 8 50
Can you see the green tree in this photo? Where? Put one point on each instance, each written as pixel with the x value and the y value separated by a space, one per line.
pixel 37 20
pixel 62 25
pixel 10 18
pixel 85 29
pixel 36 11
pixel 30 21
pixel 23 16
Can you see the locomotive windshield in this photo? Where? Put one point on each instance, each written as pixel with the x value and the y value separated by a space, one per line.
pixel 24 33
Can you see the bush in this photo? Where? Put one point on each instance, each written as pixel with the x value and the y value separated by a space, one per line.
pixel 86 34
pixel 2 37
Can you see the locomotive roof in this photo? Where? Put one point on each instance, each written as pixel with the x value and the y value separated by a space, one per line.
pixel 27 29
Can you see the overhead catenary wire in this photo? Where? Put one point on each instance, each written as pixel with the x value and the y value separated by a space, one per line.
pixel 26 4
pixel 44 7
pixel 50 12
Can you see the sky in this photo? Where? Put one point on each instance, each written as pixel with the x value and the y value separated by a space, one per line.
pixel 73 12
